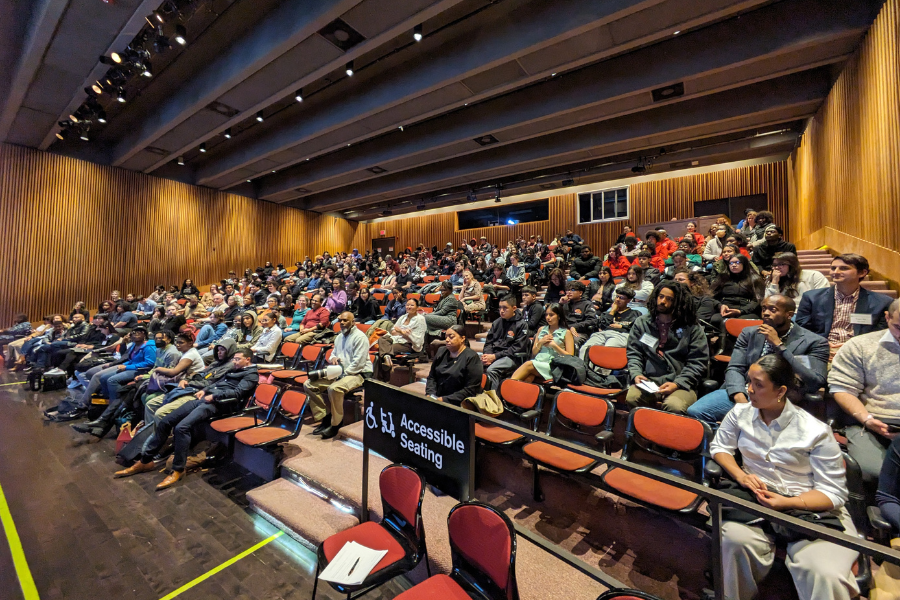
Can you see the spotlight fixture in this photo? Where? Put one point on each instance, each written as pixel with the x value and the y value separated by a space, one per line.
pixel 299 96
pixel 259 116
pixel 350 69
pixel 147 69
pixel 101 117
pixel 113 59
pixel 203 147
pixel 227 133
pixel 120 95
pixel 417 33
pixel 401 128
pixel 497 198
pixel 387 212
pixel 73 118
pixel 472 196
pixel 181 34
pixel 568 182
pixel 181 161
pixel 96 88
pixel 156 14
pixel 84 135
pixel 62 134
pixel 161 43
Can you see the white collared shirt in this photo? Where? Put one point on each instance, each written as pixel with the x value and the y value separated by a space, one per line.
pixel 794 454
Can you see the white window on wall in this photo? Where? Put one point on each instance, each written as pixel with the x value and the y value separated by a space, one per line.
pixel 603 205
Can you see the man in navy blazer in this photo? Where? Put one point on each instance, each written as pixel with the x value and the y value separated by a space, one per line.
pixel 806 351
pixel 816 311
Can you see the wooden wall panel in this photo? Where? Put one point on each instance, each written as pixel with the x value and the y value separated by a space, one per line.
pixel 651 201
pixel 845 181
pixel 74 230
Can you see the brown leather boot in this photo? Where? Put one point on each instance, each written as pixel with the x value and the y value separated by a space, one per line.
pixel 170 480
pixel 138 467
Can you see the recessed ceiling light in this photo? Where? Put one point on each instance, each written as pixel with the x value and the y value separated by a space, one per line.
pixel 417 33
pixel 203 147
pixel 248 181
pixel 676 33
pixel 181 161
pixel 227 133
pixel 96 88
pixel 181 34
pixel 349 70
pixel 259 116
pixel 299 96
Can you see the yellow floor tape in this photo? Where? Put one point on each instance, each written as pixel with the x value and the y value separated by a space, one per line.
pixel 15 549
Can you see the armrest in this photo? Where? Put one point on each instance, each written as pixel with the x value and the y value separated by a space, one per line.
pixel 528 415
pixel 604 438
pixel 876 519
pixel 817 397
pixel 713 471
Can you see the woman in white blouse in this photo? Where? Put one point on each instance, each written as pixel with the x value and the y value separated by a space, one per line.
pixel 789 279
pixel 790 461
pixel 407 335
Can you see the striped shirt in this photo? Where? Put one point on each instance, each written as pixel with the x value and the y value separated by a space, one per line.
pixel 844 306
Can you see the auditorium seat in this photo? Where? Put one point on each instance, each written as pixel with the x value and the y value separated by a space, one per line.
pixel 603 357
pixel 284 425
pixel 307 360
pixel 522 404
pixel 733 328
pixel 260 410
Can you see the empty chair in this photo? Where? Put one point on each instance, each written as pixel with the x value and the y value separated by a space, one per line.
pixel 483 555
pixel 260 411
pixel 401 532
pixel 284 425
pixel 586 420
pixel 307 361
pixel 733 327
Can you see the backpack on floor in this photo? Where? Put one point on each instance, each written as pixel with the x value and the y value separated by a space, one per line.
pixel 132 450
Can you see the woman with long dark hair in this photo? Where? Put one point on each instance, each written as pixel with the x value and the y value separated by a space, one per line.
pixel 634 281
pixel 556 287
pixel 802 473
pixel 789 279
pixel 604 297
pixel 739 290
pixel 456 371
pixel 553 339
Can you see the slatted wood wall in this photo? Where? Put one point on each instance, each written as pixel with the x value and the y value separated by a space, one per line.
pixel 651 201
pixel 73 230
pixel 845 178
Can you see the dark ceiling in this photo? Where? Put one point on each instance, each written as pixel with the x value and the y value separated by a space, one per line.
pixel 525 94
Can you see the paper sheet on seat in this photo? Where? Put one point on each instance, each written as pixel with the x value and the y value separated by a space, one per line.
pixel 352 564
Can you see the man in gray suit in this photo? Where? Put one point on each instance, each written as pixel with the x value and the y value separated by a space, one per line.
pixel 806 351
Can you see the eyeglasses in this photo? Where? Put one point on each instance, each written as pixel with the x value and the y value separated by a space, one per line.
pixel 734 262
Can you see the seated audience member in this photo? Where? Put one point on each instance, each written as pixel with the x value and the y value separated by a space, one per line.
pixel 532 310
pixel 107 379
pixel 221 398
pixel 738 241
pixel 691 229
pixel 245 334
pixel 865 384
pixel 122 318
pixel 678 260
pixel 637 283
pixel 845 309
pixel 170 320
pixel 55 333
pixel 706 306
pixel 273 309
pixel 406 336
pixel 396 306
pixel 806 352
pixel 315 321
pixel 515 275
pixel 336 301
pixel 739 290
pixel 497 285
pixel 506 343
pixel 657 250
pixel 188 289
pixel 211 332
pixel 616 263
pixel 158 294
pixel 20 329
pixel 456 371
pixel 556 287
pixel 789 279
pixel 689 247
pixel 764 253
pixel 626 232
pixel 101 334
pixel 603 298
pixel 630 248
pixel 470 295
pixel 586 266
pixel 79 308
pixel 218 303
pixel 615 323
pixel 444 315
pixel 351 351
pixel 365 308
pixel 553 339
pixel 52 353
pixel 231 313
pixel 714 245
pixel 721 265
pixel 668 348
pixel 799 469
pixel 266 347
pixel 652 274
pixel 668 244
pixel 580 314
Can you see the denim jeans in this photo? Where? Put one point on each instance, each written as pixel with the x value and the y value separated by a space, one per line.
pixel 888 494
pixel 98 376
pixel 205 336
pixel 43 355
pixel 180 421
pixel 712 407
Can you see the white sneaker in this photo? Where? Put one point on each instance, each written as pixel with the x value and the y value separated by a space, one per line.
pixel 54 372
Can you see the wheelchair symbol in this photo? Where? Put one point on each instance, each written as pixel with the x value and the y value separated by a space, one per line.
pixel 371 422
pixel 387 420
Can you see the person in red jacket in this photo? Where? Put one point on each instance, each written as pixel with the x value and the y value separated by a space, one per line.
pixel 698 237
pixel 617 263
pixel 666 242
pixel 655 246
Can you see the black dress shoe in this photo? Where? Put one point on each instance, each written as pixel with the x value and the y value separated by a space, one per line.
pixel 98 431
pixel 331 432
pixel 325 424
pixel 96 423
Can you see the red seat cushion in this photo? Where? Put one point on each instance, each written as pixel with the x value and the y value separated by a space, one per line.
pixel 233 424
pixel 261 435
pixel 437 587
pixel 557 457
pixel 287 374
pixel 722 358
pixel 495 434
pixel 649 490
pixel 596 391
pixel 371 535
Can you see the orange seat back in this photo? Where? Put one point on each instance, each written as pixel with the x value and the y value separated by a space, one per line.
pixel 519 393
pixel 581 409
pixel 608 358
pixel 292 402
pixel 669 430
pixel 734 327
pixel 264 395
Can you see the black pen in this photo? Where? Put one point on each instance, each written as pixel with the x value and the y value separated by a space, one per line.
pixel 350 572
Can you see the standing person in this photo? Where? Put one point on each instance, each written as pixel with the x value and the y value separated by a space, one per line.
pixel 456 371
pixel 668 348
pixel 553 339
pixel 506 343
pixel 351 351
pixel 798 469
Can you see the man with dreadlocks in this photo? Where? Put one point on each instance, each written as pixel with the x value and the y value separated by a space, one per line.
pixel 667 348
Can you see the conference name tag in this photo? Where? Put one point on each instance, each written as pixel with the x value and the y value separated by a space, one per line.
pixel 860 319
pixel 649 341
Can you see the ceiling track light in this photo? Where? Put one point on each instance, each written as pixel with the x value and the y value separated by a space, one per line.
pixel 181 161
pixel 350 69
pixel 227 133
pixel 259 116
pixel 113 59
pixel 147 69
pixel 299 96
pixel 203 147
pixel 417 33
pixel 181 34
pixel 120 95
pixel 96 88
pixel 101 117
